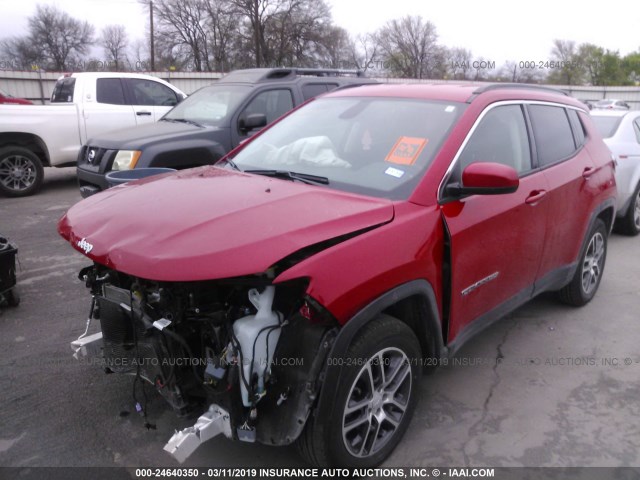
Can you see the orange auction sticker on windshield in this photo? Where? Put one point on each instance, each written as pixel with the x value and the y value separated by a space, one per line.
pixel 406 150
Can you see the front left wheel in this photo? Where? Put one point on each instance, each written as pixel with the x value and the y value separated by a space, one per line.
pixel 374 402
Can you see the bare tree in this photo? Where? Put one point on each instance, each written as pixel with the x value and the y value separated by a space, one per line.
pixel 114 41
pixel 570 71
pixel 183 26
pixel 224 23
pixel 459 63
pixel 364 51
pixel 61 38
pixel 20 53
pixel 410 49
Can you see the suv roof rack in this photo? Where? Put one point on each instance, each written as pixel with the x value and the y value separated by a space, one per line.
pixel 525 86
pixel 256 75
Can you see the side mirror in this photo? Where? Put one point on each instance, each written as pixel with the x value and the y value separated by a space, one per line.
pixel 486 178
pixel 252 122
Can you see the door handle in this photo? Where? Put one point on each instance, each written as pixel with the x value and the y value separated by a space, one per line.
pixel 587 172
pixel 141 113
pixel 535 196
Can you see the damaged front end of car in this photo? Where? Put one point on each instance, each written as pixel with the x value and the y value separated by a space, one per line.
pixel 246 354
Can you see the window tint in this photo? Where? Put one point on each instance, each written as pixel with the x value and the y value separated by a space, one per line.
pixel 311 90
pixel 554 138
pixel 500 137
pixel 109 90
pixel 272 103
pixel 63 91
pixel 578 128
pixel 148 92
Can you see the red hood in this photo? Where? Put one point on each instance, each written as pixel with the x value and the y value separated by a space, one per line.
pixel 210 223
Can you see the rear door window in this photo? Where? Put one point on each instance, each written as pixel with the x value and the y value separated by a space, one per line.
pixel 311 90
pixel 552 132
pixel 110 91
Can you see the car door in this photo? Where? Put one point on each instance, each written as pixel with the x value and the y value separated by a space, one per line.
pixel 150 99
pixel 572 179
pixel 107 109
pixel 272 103
pixel 496 241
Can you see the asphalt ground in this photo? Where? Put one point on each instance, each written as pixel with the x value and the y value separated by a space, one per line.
pixel 549 385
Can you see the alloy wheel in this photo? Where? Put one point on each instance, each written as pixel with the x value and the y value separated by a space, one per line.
pixel 377 402
pixel 592 263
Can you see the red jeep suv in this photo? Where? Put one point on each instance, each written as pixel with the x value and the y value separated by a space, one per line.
pixel 295 291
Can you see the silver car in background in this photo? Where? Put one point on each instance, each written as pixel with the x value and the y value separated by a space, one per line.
pixel 621 132
pixel 611 104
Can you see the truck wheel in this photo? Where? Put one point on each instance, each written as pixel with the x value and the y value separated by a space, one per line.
pixel 630 223
pixel 21 172
pixel 585 282
pixel 373 403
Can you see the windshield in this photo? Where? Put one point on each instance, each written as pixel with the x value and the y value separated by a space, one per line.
pixel 210 105
pixel 607 126
pixel 604 103
pixel 374 146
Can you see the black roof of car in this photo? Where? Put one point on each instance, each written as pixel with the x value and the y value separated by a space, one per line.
pixel 268 75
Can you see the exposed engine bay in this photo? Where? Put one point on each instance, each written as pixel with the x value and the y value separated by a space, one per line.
pixel 243 354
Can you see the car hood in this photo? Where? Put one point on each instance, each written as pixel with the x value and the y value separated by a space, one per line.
pixel 210 223
pixel 139 137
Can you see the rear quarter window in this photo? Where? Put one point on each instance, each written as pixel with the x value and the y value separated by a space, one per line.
pixel 63 91
pixel 578 128
pixel 552 132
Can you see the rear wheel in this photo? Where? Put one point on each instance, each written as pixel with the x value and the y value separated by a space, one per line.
pixel 585 282
pixel 21 172
pixel 630 223
pixel 374 402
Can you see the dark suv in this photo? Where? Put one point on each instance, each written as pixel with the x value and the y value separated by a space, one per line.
pixel 209 123
pixel 310 275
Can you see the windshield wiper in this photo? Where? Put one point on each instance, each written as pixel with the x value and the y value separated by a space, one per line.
pixel 232 164
pixel 181 120
pixel 302 177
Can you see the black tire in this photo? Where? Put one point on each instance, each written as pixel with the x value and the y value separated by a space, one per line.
pixel 21 172
pixel 630 223
pixel 13 298
pixel 586 280
pixel 379 404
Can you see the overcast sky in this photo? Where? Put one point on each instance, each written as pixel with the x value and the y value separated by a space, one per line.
pixel 495 29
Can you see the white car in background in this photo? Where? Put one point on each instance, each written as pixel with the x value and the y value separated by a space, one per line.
pixel 621 132
pixel 611 104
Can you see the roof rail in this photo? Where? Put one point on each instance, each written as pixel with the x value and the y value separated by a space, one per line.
pixel 327 72
pixel 525 86
pixel 255 75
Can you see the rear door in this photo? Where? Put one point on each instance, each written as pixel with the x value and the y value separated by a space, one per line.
pixel 107 108
pixel 496 240
pixel 570 173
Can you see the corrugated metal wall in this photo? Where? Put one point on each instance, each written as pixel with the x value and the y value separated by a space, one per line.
pixel 37 86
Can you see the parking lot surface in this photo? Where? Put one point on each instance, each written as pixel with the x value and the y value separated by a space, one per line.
pixel 549 385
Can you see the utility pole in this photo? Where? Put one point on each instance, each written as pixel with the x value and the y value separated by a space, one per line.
pixel 153 50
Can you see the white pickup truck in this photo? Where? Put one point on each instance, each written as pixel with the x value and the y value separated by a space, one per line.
pixel 83 105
